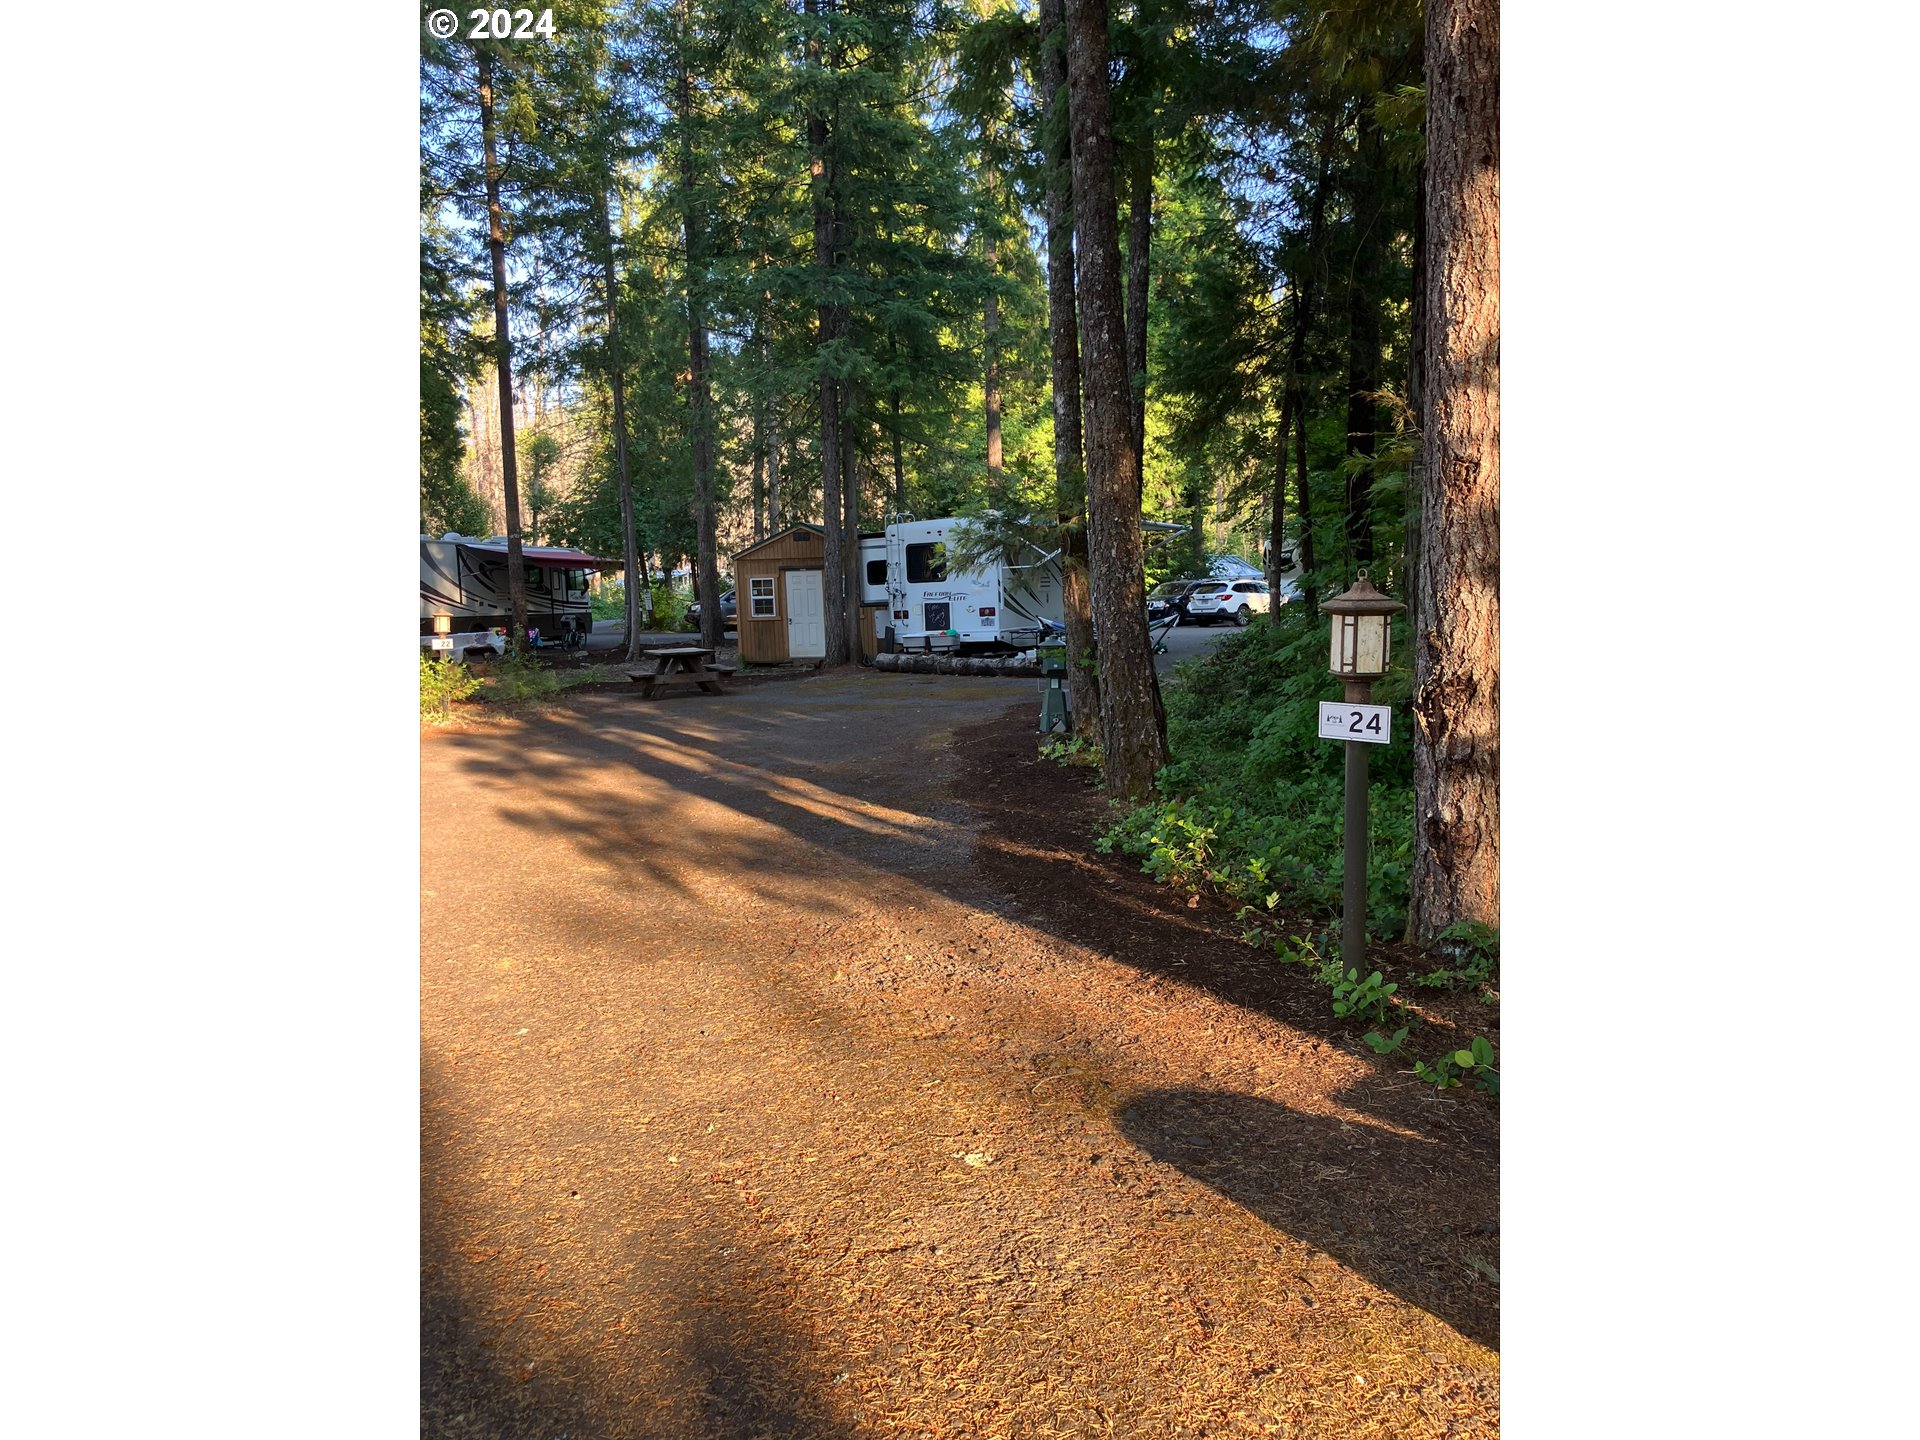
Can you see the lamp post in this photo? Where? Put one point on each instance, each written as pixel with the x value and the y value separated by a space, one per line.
pixel 1362 632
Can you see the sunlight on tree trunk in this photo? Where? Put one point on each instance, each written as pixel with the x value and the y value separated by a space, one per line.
pixel 1456 701
pixel 1133 728
pixel 503 362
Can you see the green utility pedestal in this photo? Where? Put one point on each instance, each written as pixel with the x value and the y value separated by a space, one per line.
pixel 1053 703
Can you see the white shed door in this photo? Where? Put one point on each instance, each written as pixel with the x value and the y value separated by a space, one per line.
pixel 806 616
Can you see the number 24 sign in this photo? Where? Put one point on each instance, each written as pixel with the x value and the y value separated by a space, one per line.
pixel 1371 723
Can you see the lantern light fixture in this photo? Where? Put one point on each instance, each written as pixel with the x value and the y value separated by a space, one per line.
pixel 1362 630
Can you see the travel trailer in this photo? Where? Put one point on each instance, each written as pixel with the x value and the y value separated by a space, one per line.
pixel 465 580
pixel 919 602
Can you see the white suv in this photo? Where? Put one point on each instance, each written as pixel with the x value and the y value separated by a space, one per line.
pixel 1235 600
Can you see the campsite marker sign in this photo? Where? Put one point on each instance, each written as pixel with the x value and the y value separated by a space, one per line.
pixel 1361 635
pixel 1370 723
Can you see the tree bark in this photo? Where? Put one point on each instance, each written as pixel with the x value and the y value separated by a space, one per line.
pixel 775 512
pixel 1139 274
pixel 503 363
pixel 1416 403
pixel 629 539
pixel 850 514
pixel 827 314
pixel 1456 700
pixel 991 381
pixel 1293 406
pixel 1277 520
pixel 899 462
pixel 990 319
pixel 1302 491
pixel 1134 734
pixel 1069 475
pixel 699 394
pixel 1363 335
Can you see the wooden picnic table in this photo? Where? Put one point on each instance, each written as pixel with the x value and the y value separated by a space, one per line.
pixel 680 665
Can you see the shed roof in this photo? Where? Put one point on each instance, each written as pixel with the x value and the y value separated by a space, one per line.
pixel 790 531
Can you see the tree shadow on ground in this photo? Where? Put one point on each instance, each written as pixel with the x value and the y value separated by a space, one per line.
pixel 1407 1195
pixel 537 1323
pixel 1411 1214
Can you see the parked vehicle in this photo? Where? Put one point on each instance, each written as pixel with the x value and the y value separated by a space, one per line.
pixel 1166 599
pixel 1235 600
pixel 464 579
pixel 729 611
pixel 1001 605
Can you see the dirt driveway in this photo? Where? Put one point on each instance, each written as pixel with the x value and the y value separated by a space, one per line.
pixel 788 1070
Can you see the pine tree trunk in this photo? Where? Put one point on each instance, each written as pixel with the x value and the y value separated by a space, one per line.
pixel 503 362
pixel 616 378
pixel 1301 289
pixel 1134 734
pixel 775 511
pixel 850 518
pixel 1363 336
pixel 1069 474
pixel 991 384
pixel 1303 492
pixel 759 470
pixel 832 561
pixel 899 463
pixel 1277 525
pixel 1456 700
pixel 699 392
pixel 1416 403
pixel 1139 272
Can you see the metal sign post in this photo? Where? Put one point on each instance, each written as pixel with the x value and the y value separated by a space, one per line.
pixel 1353 886
pixel 1362 632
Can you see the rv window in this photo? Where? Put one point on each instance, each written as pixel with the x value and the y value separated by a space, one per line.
pixel 927 564
pixel 876 572
pixel 762 605
pixel 576 579
pixel 536 578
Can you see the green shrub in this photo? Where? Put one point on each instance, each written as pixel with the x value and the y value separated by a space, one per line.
pixel 519 679
pixel 441 683
pixel 1251 805
pixel 669 605
pixel 610 601
pixel 669 608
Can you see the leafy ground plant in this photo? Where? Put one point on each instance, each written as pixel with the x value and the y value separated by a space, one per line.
pixel 1445 1071
pixel 1369 998
pixel 1251 807
pixel 519 679
pixel 1470 953
pixel 441 683
pixel 1076 751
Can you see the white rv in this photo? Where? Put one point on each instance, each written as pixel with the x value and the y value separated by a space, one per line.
pixel 465 579
pixel 923 604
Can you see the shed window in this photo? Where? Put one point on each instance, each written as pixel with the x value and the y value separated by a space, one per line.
pixel 927 564
pixel 761 591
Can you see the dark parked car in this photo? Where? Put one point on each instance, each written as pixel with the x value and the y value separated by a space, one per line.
pixel 729 612
pixel 1169 596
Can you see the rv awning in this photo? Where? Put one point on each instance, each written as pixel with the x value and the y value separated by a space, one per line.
pixel 544 555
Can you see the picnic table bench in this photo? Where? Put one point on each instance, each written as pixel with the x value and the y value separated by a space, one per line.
pixel 680 665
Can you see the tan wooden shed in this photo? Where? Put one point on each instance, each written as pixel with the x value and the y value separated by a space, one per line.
pixel 780 593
